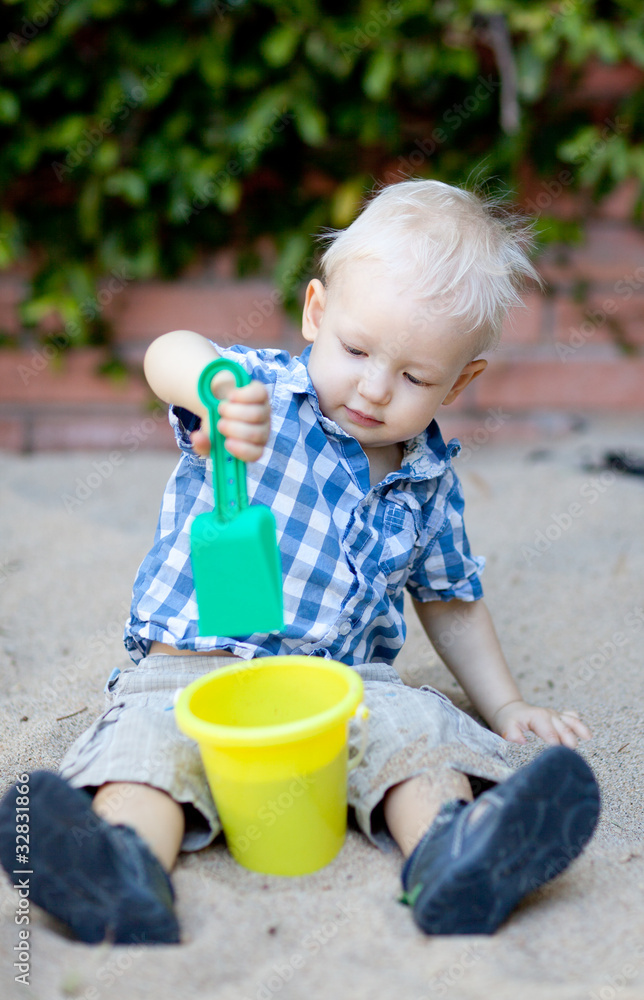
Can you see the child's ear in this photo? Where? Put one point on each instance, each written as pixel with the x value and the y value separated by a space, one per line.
pixel 314 302
pixel 471 370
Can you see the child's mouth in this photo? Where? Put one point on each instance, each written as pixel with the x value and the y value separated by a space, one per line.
pixel 362 418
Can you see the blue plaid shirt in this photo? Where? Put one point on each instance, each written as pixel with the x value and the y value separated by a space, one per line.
pixel 348 549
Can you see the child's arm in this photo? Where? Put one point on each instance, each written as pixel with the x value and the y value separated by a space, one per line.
pixel 172 366
pixel 463 634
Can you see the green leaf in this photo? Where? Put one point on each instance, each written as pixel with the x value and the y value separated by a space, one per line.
pixel 327 56
pixel 11 244
pixel 9 107
pixel 280 44
pixel 265 116
pixel 310 122
pixel 379 76
pixel 89 205
pixel 417 62
pixel 228 196
pixel 106 156
pixel 129 185
pixel 72 17
pixel 532 72
pixel 346 201
pixel 293 254
pixel 66 132
pixel 578 146
pixel 211 61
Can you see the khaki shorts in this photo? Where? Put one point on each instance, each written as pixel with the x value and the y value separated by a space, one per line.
pixel 410 731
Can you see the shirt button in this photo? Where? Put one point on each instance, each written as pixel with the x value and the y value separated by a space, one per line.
pixel 344 628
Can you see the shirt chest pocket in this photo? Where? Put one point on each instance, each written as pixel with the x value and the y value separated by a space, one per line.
pixel 400 537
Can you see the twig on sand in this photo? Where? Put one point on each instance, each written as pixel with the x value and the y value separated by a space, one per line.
pixel 71 714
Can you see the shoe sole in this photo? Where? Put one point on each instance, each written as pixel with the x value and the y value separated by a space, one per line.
pixel 76 876
pixel 550 811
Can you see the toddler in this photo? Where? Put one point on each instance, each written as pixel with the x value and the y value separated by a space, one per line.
pixel 342 445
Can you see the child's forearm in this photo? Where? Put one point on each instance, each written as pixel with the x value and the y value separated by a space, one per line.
pixel 463 634
pixel 173 364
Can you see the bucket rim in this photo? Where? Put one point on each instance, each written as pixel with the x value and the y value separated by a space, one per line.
pixel 271 735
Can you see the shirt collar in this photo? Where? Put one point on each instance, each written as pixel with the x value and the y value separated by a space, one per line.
pixel 424 457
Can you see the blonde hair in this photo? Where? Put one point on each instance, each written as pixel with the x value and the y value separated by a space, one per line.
pixel 465 253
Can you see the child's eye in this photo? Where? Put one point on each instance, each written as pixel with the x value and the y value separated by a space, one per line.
pixel 353 351
pixel 415 381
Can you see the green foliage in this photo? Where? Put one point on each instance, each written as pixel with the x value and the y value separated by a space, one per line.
pixel 135 135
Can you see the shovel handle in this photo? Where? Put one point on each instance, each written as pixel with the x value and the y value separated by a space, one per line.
pixel 228 472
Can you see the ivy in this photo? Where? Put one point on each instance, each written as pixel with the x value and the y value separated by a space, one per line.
pixel 137 135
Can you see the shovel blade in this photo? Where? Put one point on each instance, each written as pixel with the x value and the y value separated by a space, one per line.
pixel 237 573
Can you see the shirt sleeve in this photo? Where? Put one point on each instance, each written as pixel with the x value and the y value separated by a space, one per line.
pixel 263 365
pixel 445 568
pixel 183 422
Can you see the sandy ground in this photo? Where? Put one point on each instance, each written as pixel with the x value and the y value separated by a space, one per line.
pixel 566 593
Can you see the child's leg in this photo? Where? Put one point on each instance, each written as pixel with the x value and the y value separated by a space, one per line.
pixel 479 859
pixel 100 879
pixel 155 816
pixel 468 862
pixel 412 806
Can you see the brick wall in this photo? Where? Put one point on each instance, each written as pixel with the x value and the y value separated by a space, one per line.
pixel 576 350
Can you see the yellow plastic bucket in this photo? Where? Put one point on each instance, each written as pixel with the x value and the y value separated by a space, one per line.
pixel 273 736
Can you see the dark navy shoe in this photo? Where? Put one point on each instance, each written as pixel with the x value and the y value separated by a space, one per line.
pixel 479 859
pixel 102 881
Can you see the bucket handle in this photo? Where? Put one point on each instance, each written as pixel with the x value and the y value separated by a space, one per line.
pixel 361 714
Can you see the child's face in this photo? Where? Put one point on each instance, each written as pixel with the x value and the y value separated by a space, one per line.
pixel 381 362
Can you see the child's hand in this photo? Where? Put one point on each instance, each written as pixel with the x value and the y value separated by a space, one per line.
pixel 244 420
pixel 518 717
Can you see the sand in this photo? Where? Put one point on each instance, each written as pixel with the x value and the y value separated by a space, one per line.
pixel 565 549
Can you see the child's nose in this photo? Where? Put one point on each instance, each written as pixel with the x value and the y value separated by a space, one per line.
pixel 375 384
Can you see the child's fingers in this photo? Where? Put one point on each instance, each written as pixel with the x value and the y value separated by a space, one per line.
pixel 254 392
pixel 564 732
pixel 200 442
pixel 542 724
pixel 513 733
pixel 248 413
pixel 222 384
pixel 573 721
pixel 245 450
pixel 239 430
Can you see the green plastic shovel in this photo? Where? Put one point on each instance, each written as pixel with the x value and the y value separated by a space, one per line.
pixel 235 559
